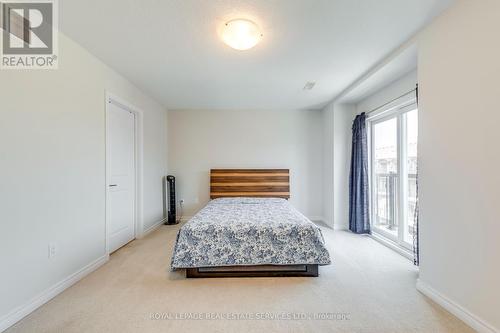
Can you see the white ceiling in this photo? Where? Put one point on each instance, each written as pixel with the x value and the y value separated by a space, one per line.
pixel 397 66
pixel 172 51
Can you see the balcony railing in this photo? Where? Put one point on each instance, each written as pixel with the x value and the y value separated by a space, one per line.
pixel 386 200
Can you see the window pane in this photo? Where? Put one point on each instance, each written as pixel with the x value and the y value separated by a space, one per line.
pixel 411 167
pixel 385 174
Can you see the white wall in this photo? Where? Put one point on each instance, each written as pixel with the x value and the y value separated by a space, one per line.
pixel 343 117
pixel 328 164
pixel 402 85
pixel 52 159
pixel 337 123
pixel 459 158
pixel 201 140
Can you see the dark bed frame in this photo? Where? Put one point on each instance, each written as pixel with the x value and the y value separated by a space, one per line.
pixel 253 271
pixel 259 183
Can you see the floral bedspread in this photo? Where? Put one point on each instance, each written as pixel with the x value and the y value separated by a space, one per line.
pixel 249 231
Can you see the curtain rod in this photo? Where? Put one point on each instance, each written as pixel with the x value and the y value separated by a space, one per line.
pixel 393 100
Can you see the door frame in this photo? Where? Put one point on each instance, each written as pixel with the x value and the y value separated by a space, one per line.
pixel 138 164
pixel 393 110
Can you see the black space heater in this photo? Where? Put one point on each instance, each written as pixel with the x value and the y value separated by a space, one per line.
pixel 169 203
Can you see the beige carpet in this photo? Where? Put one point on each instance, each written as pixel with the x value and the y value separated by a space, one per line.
pixel 369 288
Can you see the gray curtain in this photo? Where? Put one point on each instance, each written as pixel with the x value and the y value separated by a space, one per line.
pixel 359 212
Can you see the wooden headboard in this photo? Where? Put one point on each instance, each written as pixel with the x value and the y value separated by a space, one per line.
pixel 263 183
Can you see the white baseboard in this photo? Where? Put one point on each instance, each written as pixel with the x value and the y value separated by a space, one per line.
pixel 185 218
pixel 22 311
pixel 152 228
pixel 340 227
pixel 316 219
pixel 467 317
pixel 393 246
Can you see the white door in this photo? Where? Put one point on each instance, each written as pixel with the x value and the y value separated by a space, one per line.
pixel 120 175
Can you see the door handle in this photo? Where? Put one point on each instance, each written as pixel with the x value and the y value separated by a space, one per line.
pixel 113 185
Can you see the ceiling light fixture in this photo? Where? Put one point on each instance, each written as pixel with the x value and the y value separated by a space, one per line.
pixel 241 34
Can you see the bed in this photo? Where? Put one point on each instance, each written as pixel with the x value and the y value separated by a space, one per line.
pixel 249 229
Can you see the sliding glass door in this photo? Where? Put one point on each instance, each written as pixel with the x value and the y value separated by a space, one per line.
pixel 385 174
pixel 393 163
pixel 410 139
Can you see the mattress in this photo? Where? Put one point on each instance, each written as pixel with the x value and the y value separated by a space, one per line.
pixel 249 231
